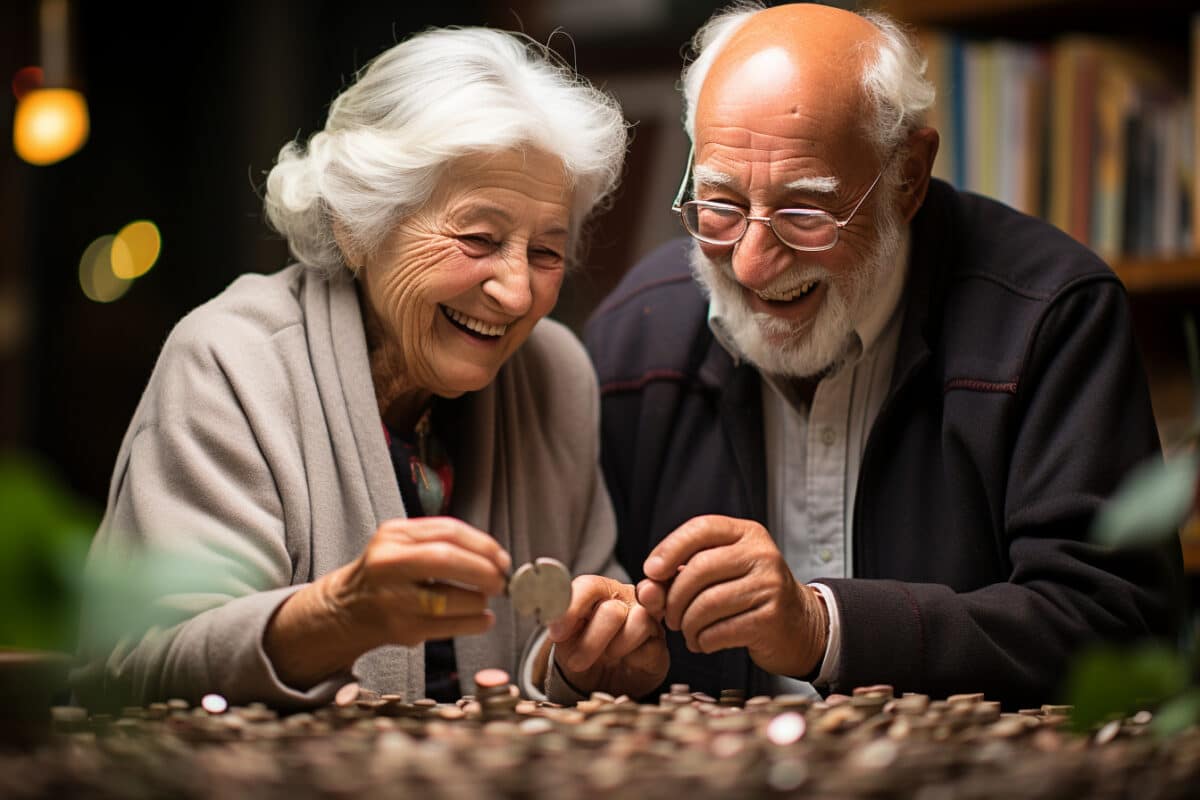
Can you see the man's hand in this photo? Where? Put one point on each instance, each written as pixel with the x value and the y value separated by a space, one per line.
pixel 606 641
pixel 723 583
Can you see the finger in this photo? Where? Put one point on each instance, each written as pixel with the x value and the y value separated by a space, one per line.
pixel 726 633
pixel 652 595
pixel 587 591
pixel 698 533
pixel 443 600
pixel 449 627
pixel 706 569
pixel 440 561
pixel 650 657
pixel 582 651
pixel 716 603
pixel 449 529
pixel 638 628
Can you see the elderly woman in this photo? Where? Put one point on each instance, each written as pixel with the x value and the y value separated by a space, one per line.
pixel 353 451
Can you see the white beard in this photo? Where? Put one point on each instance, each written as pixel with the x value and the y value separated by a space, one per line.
pixel 781 347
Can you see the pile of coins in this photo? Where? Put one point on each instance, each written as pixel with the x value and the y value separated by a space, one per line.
pixel 870 744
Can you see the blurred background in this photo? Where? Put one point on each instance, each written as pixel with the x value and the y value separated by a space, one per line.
pixel 189 104
pixel 188 107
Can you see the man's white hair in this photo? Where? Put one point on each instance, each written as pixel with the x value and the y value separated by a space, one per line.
pixel 433 98
pixel 894 80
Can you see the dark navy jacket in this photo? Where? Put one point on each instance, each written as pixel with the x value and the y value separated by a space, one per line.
pixel 1018 402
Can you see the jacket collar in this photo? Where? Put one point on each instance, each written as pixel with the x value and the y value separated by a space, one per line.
pixel 933 231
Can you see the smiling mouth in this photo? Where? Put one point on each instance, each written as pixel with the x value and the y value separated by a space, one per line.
pixel 473 327
pixel 787 296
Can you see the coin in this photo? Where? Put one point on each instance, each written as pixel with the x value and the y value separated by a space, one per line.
pixel 347 694
pixel 214 703
pixel 491 678
pixel 541 589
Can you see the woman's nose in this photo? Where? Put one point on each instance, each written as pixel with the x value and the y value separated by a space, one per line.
pixel 509 286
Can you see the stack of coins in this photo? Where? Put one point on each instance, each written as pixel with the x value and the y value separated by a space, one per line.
pixel 680 695
pixel 497 696
pixel 735 698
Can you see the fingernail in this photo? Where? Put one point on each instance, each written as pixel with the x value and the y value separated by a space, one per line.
pixel 654 566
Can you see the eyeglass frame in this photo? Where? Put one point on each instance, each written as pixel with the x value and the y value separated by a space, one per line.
pixel 678 204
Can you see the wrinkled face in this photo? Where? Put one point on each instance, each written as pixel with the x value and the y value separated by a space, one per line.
pixel 769 137
pixel 457 287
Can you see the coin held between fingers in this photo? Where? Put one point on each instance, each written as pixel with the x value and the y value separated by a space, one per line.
pixel 541 589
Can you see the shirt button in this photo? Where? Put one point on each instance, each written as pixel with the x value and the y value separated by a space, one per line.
pixel 826 555
pixel 828 437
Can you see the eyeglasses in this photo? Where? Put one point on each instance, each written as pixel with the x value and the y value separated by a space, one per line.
pixel 807 229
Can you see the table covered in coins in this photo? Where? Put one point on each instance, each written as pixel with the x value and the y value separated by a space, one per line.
pixel 687 745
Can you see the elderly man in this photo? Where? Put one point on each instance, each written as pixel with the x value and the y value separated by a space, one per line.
pixel 857 427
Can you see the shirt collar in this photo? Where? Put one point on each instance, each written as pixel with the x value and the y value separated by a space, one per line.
pixel 865 334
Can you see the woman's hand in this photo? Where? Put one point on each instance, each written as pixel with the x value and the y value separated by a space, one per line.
pixel 607 641
pixel 417 579
pixel 424 578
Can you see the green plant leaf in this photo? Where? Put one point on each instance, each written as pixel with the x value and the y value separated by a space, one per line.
pixel 1105 682
pixel 44 535
pixel 1151 504
pixel 1178 713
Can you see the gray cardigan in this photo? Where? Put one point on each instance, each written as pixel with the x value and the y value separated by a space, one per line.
pixel 257 453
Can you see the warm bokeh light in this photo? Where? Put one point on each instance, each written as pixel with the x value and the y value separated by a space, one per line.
pixel 96 276
pixel 50 124
pixel 25 80
pixel 135 249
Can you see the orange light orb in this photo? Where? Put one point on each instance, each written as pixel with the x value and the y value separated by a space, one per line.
pixel 50 124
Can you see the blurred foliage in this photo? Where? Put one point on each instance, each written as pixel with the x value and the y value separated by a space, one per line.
pixel 1150 507
pixel 128 592
pixel 1107 683
pixel 1153 502
pixel 44 536
pixel 46 594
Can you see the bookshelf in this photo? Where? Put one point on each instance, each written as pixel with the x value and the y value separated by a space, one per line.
pixel 1086 113
pixel 1148 275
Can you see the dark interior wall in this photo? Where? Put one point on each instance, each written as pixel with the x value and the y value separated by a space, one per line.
pixel 186 118
pixel 187 115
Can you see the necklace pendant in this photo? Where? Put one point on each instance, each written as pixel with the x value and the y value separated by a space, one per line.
pixel 430 491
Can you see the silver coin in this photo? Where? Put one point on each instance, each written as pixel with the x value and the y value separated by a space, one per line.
pixel 541 589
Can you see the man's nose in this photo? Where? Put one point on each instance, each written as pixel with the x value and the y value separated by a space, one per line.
pixel 759 257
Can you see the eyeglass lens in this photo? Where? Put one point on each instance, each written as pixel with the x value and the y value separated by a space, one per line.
pixel 726 225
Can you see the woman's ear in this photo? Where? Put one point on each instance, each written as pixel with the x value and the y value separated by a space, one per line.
pixel 922 148
pixel 351 254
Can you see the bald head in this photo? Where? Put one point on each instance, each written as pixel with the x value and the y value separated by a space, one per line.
pixel 792 65
pixel 859 71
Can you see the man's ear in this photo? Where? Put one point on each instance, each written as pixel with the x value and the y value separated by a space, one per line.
pixel 350 252
pixel 922 148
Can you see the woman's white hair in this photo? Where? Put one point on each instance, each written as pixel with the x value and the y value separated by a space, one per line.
pixel 441 94
pixel 894 79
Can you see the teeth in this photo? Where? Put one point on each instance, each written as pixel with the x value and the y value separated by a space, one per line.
pixel 477 325
pixel 790 294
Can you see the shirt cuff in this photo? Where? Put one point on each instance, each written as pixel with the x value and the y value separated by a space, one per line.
pixel 558 689
pixel 525 666
pixel 833 637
